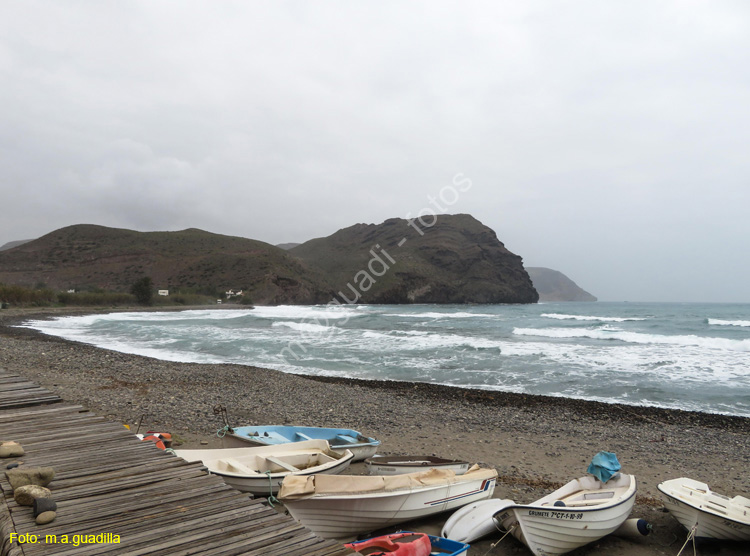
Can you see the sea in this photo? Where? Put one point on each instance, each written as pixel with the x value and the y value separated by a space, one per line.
pixel 689 356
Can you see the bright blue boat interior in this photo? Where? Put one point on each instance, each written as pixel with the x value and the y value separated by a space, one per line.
pixel 278 434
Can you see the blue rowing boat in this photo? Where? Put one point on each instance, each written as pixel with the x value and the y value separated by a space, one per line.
pixel 361 446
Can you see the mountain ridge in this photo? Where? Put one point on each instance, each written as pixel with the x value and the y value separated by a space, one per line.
pixel 457 259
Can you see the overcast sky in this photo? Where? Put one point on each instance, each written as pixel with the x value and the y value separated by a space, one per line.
pixel 607 140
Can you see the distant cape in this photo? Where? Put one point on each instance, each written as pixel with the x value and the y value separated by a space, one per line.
pixel 553 285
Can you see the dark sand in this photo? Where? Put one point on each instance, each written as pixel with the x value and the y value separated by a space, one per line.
pixel 535 443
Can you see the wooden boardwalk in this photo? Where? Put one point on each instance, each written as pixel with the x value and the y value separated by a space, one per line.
pixel 107 481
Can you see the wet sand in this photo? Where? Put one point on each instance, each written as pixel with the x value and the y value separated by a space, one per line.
pixel 536 443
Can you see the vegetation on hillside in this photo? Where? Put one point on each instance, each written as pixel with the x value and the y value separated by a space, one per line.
pixel 189 262
pixel 19 296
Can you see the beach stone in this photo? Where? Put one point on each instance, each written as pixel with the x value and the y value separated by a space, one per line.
pixel 41 476
pixel 45 517
pixel 42 505
pixel 11 449
pixel 25 495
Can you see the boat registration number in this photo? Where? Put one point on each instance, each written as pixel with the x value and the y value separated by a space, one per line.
pixel 556 515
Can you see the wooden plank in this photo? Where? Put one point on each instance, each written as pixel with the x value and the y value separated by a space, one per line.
pixel 107 481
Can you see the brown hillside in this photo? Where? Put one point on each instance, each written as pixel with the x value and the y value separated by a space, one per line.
pixel 87 256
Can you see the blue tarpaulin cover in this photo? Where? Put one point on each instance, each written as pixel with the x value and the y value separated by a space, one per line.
pixel 604 466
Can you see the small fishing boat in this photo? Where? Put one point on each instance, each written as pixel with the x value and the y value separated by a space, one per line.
pixel 346 505
pixel 261 470
pixel 712 515
pixel 273 435
pixel 407 543
pixel 399 465
pixel 581 512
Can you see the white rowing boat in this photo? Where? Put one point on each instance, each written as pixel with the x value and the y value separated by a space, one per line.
pixel 713 515
pixel 261 470
pixel 346 505
pixel 400 465
pixel 581 512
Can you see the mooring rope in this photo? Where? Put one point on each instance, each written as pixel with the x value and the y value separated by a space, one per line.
pixel 508 532
pixel 271 497
pixel 691 536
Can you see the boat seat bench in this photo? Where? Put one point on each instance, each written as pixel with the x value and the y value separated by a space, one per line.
pixel 282 464
pixel 239 466
pixel 347 438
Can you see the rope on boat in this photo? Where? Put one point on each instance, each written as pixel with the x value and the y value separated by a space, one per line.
pixel 222 412
pixel 691 537
pixel 508 532
pixel 271 497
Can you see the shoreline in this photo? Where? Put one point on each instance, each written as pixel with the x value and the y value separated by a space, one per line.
pixel 536 443
pixel 637 413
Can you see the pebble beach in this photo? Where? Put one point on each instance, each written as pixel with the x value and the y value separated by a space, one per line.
pixel 536 443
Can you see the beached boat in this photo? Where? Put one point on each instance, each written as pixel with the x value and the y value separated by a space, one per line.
pixel 346 505
pixel 340 439
pixel 474 520
pixel 581 512
pixel 713 515
pixel 260 470
pixel 399 465
pixel 408 543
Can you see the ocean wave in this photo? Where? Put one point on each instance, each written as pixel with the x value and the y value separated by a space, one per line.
pixel 429 341
pixel 319 313
pixel 306 327
pixel 719 322
pixel 436 315
pixel 635 337
pixel 562 316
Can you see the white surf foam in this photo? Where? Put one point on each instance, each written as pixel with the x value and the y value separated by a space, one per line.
pixel 306 327
pixel 318 313
pixel 562 316
pixel 636 337
pixel 720 322
pixel 436 315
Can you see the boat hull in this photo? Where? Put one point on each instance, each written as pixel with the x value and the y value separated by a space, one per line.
pixel 259 471
pixel 343 515
pixel 361 446
pixel 474 521
pixel 713 516
pixel 549 530
pixel 264 485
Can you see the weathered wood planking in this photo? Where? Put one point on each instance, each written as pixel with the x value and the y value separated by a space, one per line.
pixel 107 481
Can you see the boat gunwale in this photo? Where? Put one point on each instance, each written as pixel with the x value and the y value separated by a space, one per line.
pixel 573 509
pixel 281 474
pixel 392 493
pixel 272 441
pixel 426 461
pixel 702 509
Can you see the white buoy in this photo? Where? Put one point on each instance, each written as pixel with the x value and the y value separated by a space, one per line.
pixel 634 528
